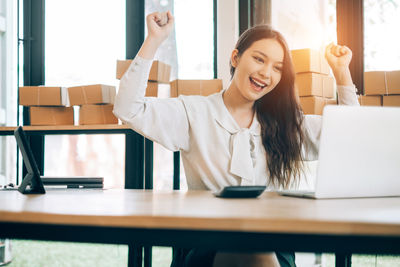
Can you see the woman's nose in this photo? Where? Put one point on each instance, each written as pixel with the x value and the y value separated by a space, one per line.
pixel 265 71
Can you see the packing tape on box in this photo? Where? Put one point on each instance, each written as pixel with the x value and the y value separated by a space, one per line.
pixel 386 86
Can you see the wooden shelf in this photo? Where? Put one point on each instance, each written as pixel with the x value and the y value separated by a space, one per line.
pixel 65 129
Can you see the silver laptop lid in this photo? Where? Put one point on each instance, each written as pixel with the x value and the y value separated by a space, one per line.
pixel 359 153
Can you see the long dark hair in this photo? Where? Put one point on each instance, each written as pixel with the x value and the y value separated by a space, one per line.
pixel 279 114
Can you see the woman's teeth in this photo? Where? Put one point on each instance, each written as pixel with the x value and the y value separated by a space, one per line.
pixel 258 84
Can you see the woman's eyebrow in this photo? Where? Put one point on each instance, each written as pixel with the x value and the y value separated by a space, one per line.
pixel 266 56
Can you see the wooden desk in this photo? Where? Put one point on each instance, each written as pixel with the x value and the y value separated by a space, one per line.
pixel 198 219
pixel 138 150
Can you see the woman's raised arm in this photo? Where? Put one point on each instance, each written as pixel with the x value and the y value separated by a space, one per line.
pixel 339 58
pixel 162 120
pixel 159 26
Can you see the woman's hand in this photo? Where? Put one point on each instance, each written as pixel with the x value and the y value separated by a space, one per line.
pixel 159 26
pixel 339 58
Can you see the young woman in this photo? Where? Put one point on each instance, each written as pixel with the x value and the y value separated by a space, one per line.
pixel 252 133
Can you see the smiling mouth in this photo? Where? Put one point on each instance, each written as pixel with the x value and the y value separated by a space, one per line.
pixel 257 84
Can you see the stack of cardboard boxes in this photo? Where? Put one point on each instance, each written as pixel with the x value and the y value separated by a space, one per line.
pixel 53 105
pixel 381 88
pixel 313 84
pixel 95 103
pixel 159 75
pixel 47 105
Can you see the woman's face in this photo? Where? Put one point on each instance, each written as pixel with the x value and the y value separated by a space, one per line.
pixel 259 69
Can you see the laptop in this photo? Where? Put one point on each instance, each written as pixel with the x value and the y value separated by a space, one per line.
pixel 359 154
pixel 33 183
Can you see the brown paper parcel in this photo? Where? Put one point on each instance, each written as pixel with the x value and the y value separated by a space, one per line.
pixel 159 72
pixel 314 84
pixel 51 115
pixel 195 87
pixel 97 114
pixel 315 104
pixel 43 96
pixel 92 94
pixel 309 60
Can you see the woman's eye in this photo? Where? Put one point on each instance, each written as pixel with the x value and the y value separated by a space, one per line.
pixel 278 68
pixel 258 59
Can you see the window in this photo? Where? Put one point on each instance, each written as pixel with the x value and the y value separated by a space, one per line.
pixel 194 39
pixel 381 22
pixel 83 41
pixel 8 92
pixel 305 24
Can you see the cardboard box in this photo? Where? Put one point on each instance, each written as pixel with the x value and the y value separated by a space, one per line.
pixel 51 115
pixel 122 67
pixel 328 87
pixel 315 104
pixel 393 82
pixel 152 89
pixel 309 60
pixel 195 87
pixel 374 83
pixel 160 90
pixel 159 72
pixel 97 114
pixel 43 96
pixel 91 94
pixel 370 100
pixel 391 100
pixel 314 84
pixel 331 102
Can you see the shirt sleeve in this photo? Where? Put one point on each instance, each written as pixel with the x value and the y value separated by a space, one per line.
pixel 347 95
pixel 164 121
pixel 312 124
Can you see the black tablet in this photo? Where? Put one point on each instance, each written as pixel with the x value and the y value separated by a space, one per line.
pixel 237 191
pixel 31 183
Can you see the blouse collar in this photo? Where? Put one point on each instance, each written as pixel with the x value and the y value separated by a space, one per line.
pixel 226 120
pixel 242 142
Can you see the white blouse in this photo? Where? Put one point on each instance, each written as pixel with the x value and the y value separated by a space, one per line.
pixel 215 151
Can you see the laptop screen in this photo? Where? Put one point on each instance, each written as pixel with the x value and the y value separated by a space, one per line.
pixel 32 183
